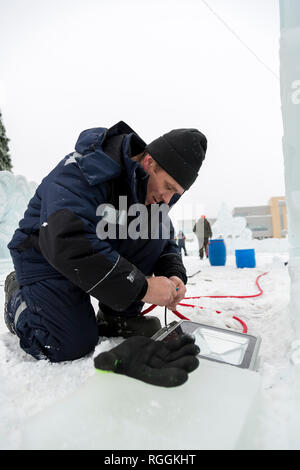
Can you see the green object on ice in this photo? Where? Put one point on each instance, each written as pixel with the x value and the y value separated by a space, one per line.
pixel 115 367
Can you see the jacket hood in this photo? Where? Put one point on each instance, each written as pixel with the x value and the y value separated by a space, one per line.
pixel 100 151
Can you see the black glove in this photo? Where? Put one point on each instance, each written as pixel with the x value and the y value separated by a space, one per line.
pixel 155 362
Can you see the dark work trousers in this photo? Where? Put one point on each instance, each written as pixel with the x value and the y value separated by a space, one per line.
pixel 204 249
pixel 54 320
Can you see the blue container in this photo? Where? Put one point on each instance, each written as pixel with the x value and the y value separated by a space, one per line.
pixel 245 258
pixel 217 252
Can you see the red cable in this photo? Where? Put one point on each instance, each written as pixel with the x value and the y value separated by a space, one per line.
pixel 182 317
pixel 245 327
pixel 232 296
pixel 148 309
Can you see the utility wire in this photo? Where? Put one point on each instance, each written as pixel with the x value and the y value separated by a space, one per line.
pixel 240 39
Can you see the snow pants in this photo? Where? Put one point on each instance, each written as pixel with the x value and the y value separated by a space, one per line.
pixel 55 320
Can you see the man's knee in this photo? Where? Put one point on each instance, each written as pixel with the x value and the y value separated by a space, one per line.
pixel 53 330
pixel 54 344
pixel 76 345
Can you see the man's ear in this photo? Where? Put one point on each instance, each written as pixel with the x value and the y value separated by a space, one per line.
pixel 148 162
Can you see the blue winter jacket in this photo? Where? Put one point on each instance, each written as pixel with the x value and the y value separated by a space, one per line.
pixel 57 236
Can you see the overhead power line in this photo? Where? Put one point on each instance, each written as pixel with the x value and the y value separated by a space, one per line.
pixel 240 39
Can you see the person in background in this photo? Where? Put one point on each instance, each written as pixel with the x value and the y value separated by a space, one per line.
pixel 181 242
pixel 202 229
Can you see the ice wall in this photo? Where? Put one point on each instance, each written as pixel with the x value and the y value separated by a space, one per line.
pixel 290 100
pixel 15 193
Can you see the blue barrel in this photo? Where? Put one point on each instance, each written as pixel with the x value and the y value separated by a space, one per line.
pixel 245 258
pixel 217 252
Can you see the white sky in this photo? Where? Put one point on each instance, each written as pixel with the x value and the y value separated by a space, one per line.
pixel 68 65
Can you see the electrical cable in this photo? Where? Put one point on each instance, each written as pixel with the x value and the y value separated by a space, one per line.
pixel 182 317
pixel 232 296
pixel 192 275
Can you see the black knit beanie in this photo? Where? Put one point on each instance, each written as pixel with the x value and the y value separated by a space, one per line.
pixel 180 153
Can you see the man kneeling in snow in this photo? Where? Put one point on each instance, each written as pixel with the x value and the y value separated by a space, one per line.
pixel 61 258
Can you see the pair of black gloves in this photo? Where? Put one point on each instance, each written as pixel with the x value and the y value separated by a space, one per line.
pixel 166 364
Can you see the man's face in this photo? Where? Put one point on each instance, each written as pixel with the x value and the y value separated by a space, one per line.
pixel 161 186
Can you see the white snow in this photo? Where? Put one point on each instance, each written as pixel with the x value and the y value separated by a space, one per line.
pixel 28 387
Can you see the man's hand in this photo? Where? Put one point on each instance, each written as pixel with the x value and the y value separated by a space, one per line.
pixel 180 292
pixel 161 291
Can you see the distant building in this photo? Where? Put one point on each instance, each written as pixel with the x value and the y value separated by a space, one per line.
pixel 259 220
pixel 265 221
pixel 279 216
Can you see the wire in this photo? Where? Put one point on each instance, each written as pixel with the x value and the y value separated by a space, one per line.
pixel 240 39
pixel 192 275
pixel 182 317
pixel 232 296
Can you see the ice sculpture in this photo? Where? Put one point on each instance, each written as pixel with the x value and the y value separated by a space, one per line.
pixel 15 193
pixel 232 229
pixel 290 105
pixel 290 99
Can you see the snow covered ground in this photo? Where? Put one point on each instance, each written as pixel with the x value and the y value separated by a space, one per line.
pixel 28 387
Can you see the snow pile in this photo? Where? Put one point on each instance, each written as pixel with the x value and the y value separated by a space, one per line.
pixel 15 192
pixel 271 245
